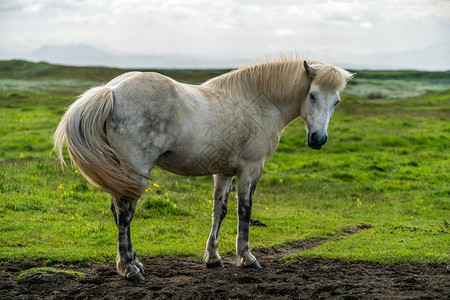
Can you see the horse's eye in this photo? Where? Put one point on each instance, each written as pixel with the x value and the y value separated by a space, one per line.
pixel 312 97
pixel 337 102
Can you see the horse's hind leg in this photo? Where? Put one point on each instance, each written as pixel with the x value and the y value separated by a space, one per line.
pixel 222 185
pixel 127 264
pixel 123 210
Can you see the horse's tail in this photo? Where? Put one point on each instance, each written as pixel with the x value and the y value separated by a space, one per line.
pixel 82 128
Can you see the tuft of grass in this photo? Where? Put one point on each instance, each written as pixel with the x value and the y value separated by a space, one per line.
pixel 160 207
pixel 45 270
pixel 386 244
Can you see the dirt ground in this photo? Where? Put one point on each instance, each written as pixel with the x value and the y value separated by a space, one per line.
pixel 168 278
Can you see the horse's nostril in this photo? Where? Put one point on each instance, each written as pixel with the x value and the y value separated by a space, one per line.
pixel 316 140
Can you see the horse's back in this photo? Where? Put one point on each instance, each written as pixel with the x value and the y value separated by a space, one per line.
pixel 121 78
pixel 136 83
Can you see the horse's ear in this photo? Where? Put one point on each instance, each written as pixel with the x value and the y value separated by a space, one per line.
pixel 311 72
pixel 351 76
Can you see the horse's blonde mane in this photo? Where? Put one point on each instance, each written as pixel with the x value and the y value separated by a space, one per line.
pixel 280 78
pixel 328 76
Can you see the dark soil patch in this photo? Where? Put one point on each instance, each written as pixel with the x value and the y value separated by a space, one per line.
pixel 168 278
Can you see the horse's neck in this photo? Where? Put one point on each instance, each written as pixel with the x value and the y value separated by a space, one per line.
pixel 284 87
pixel 279 112
pixel 286 101
pixel 291 108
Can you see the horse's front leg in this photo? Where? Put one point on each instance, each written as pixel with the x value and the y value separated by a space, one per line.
pixel 127 264
pixel 247 181
pixel 222 186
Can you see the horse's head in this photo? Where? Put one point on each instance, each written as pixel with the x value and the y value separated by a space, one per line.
pixel 323 97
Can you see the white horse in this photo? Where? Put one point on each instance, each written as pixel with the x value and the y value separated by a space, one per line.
pixel 228 126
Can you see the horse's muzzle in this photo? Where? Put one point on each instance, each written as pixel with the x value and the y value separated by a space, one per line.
pixel 316 140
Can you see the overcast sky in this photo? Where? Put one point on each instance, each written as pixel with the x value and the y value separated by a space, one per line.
pixel 337 31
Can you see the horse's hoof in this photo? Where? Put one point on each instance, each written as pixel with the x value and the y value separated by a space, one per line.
pixel 141 270
pixel 136 278
pixel 140 266
pixel 254 265
pixel 215 265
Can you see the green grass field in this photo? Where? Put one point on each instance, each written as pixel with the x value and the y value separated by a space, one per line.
pixel 386 165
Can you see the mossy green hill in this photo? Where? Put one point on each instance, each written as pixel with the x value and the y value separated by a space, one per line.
pixel 21 69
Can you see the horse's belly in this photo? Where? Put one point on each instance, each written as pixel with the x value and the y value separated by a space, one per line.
pixel 199 165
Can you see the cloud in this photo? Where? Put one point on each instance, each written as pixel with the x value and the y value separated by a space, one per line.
pixel 365 25
pixel 284 31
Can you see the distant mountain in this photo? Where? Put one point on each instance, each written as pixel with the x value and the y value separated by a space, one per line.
pixel 82 55
pixel 436 57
